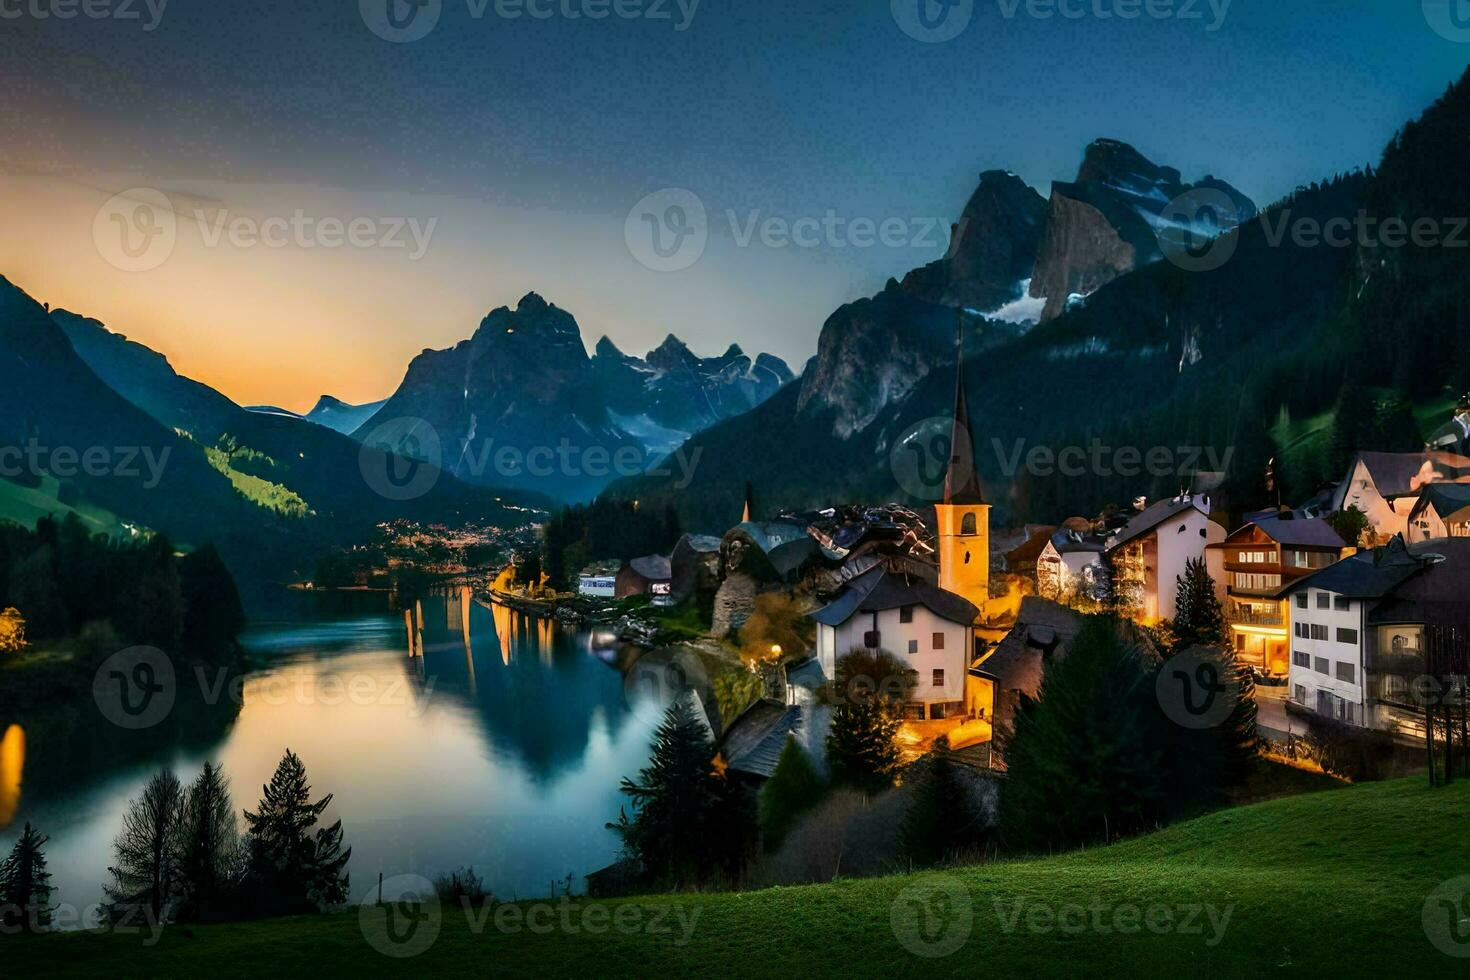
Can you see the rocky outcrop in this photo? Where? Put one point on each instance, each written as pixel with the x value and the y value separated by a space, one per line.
pixel 1108 221
pixel 992 247
pixel 872 354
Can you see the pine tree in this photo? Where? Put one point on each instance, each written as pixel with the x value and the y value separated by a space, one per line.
pixel 213 612
pixel 1204 764
pixel 1198 618
pixel 290 868
pixel 25 885
pixel 794 788
pixel 941 821
pixel 145 881
pixel 689 822
pixel 1083 759
pixel 872 688
pixel 210 852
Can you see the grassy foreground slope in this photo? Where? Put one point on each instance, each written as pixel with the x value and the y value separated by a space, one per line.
pixel 1332 883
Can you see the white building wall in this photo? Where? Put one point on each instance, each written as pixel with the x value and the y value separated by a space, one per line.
pixel 1306 680
pixel 1181 539
pixel 833 643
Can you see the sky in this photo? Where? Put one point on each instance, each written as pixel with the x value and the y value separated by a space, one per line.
pixel 290 199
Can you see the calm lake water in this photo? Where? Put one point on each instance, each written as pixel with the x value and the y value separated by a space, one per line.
pixel 501 745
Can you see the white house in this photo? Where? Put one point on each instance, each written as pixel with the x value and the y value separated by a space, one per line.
pixel 1386 486
pixel 1358 628
pixel 1149 553
pixel 929 629
pixel 1071 563
pixel 1441 511
pixel 600 580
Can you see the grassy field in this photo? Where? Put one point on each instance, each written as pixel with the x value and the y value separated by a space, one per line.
pixel 1333 883
pixel 26 505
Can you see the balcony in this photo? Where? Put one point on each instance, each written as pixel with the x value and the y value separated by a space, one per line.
pixel 1248 616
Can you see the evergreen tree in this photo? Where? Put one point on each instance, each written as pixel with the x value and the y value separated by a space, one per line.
pixel 145 882
pixel 1198 618
pixel 1204 764
pixel 213 613
pixel 689 822
pixel 1083 760
pixel 872 687
pixel 942 821
pixel 292 869
pixel 794 788
pixel 25 885
pixel 210 852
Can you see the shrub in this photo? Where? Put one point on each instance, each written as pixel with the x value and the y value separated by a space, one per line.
pixel 1352 753
pixel 12 631
pixel 462 888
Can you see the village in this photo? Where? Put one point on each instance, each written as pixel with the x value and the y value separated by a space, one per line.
pixel 1330 605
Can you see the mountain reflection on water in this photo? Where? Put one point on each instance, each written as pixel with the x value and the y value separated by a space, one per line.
pixel 480 737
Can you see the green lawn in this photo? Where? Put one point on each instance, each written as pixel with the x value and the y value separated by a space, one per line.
pixel 1332 883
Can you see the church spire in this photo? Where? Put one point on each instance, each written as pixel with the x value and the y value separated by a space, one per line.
pixel 961 482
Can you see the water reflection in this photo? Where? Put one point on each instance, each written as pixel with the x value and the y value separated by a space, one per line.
pixel 12 769
pixel 460 734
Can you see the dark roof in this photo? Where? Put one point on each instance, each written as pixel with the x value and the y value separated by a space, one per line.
pixel 1365 575
pixel 655 568
pixel 880 589
pixel 755 740
pixel 1309 532
pixel 1030 549
pixel 1066 542
pixel 807 675
pixel 703 543
pixel 1042 628
pixel 1440 595
pixel 1445 498
pixel 1152 517
pixel 1397 474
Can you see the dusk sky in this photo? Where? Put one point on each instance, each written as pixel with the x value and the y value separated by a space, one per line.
pixel 517 148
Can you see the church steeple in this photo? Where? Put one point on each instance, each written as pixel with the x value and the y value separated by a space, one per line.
pixel 962 518
pixel 961 482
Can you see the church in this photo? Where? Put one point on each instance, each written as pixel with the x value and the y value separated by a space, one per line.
pixel 928 624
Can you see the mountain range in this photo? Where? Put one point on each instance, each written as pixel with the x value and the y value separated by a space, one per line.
pixel 521 404
pixel 1212 356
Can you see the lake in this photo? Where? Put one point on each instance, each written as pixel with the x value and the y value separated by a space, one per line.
pixel 491 739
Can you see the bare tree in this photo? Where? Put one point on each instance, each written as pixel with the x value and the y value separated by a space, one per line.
pixel 145 879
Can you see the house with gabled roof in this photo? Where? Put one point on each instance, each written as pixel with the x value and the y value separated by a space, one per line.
pixel 1255 562
pixel 1386 486
pixel 1149 553
pixel 1442 511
